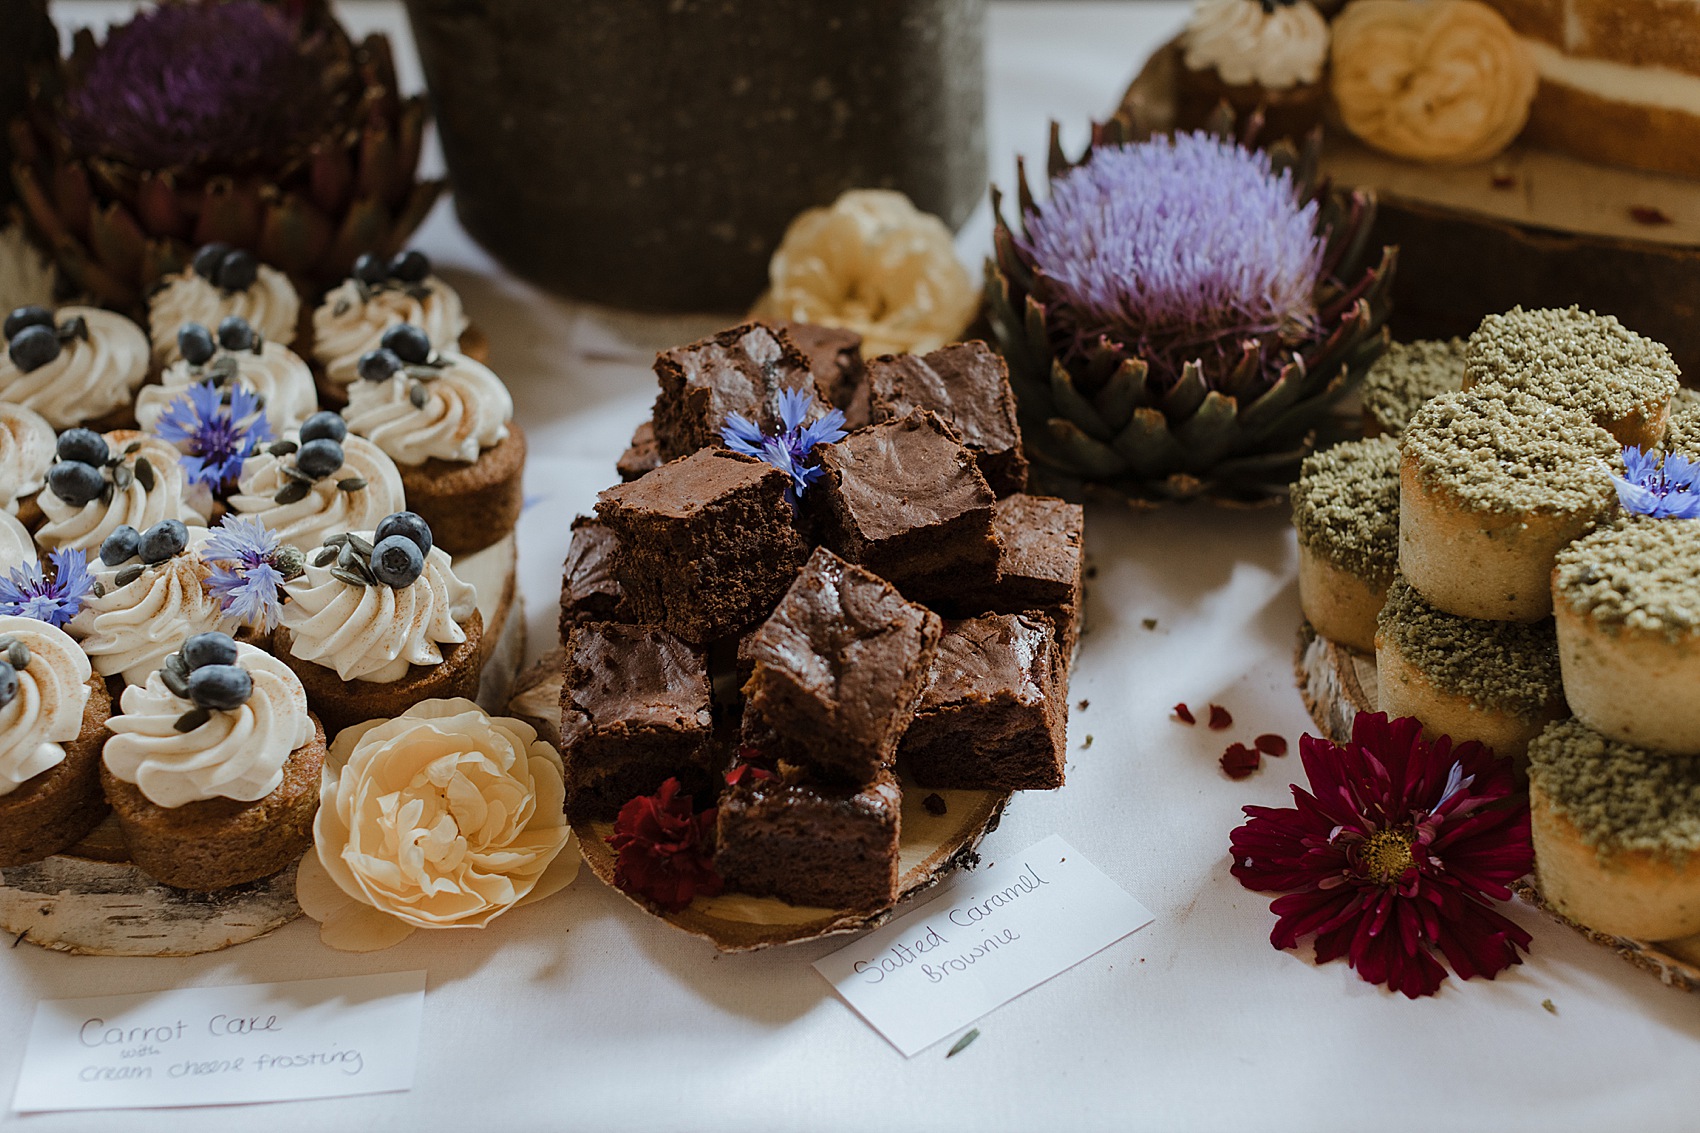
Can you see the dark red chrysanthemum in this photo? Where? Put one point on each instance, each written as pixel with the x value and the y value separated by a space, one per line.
pixel 1395 856
pixel 665 849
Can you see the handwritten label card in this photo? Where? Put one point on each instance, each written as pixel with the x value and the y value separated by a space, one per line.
pixel 1008 929
pixel 222 1045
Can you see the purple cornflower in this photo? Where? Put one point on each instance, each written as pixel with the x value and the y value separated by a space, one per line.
pixel 215 438
pixel 250 565
pixel 791 450
pixel 1668 491
pixel 29 593
pixel 1177 249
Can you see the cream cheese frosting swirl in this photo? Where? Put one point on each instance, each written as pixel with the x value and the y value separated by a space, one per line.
pixel 280 378
pixel 130 630
pixel 16 546
pixel 91 376
pixel 88 526
pixel 1247 41
pixel 47 712
pixel 27 442
pixel 239 753
pixel 373 633
pixel 269 304
pixel 466 410
pixel 352 320
pixel 326 509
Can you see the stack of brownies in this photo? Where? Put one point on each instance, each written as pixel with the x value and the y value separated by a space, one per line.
pixel 911 614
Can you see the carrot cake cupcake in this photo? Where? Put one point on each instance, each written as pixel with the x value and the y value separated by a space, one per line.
pixel 102 482
pixel 379 622
pixel 222 281
pixel 79 365
pixel 235 354
pixel 53 712
pixel 27 443
pixel 213 766
pixel 1402 380
pixel 377 296
pixel 318 481
pixel 1346 511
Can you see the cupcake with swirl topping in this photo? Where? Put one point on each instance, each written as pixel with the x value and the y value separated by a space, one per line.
pixel 101 482
pixel 378 295
pixel 318 481
pixel 236 355
pixel 1255 55
pixel 213 766
pixel 27 442
pixel 16 547
pixel 379 622
pixel 79 365
pixel 220 282
pixel 53 713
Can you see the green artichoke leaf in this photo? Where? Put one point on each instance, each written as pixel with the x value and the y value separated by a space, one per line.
pixel 1187 395
pixel 1057 162
pixel 1288 388
pixel 1210 432
pixel 1123 392
pixel 1259 466
pixel 1074 406
pixel 1038 335
pixel 1147 445
pixel 1084 455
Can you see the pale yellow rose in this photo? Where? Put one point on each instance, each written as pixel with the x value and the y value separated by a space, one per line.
pixel 1443 81
pixel 875 264
pixel 444 817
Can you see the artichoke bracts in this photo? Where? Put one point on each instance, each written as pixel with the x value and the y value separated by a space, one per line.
pixel 1182 315
pixel 256 124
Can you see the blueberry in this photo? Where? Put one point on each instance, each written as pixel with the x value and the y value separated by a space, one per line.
pixel 319 458
pixel 124 544
pixel 28 317
pixel 205 649
pixel 75 482
pixel 371 270
pixel 378 365
pixel 220 687
pixel 397 561
pixel 8 683
pixel 411 267
pixel 163 540
pixel 208 259
pixel 33 347
pixel 324 425
pixel 85 445
pixel 407 342
pixel 237 271
pixel 195 343
pixel 407 523
pixel 234 333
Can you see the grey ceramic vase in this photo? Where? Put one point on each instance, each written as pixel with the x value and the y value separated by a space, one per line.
pixel 650 153
pixel 26 38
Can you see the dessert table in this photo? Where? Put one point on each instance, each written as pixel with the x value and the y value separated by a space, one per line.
pixel 581 1012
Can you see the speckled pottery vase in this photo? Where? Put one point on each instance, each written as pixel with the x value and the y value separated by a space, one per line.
pixel 650 153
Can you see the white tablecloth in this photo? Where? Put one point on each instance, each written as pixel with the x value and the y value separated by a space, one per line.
pixel 581 1012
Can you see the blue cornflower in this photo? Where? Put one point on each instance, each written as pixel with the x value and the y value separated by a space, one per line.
pixel 29 593
pixel 791 450
pixel 1668 491
pixel 244 555
pixel 215 437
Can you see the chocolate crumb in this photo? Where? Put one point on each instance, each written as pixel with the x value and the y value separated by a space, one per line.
pixel 1647 214
pixel 1084 704
pixel 1149 623
pixel 935 805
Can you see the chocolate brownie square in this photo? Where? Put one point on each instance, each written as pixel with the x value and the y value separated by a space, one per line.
pixel 643 455
pixel 836 670
pixel 708 544
pixel 994 714
pixel 589 590
pixel 810 843
pixel 835 357
pixel 741 370
pixel 1039 565
pixel 635 711
pixel 966 384
pixel 905 500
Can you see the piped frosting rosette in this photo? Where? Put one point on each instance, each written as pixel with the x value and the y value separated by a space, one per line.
pixel 375 632
pixel 143 500
pixel 16 546
pixel 93 373
pixel 234 753
pixel 276 374
pixel 353 318
pixel 26 449
pixel 46 712
pixel 269 304
pixel 305 516
pixel 454 414
pixel 1278 46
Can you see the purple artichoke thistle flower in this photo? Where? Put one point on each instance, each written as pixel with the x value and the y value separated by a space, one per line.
pixel 792 449
pixel 1670 490
pixel 250 565
pixel 215 437
pixel 31 593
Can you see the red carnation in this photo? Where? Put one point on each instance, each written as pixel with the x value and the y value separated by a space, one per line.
pixel 1394 856
pixel 665 849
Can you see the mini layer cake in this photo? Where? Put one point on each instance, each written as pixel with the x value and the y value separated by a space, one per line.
pixel 1491 486
pixel 836 671
pixel 1627 601
pixel 120 479
pixel 318 481
pixel 906 500
pixel 994 713
pixel 967 385
pixel 707 544
pixel 785 836
pixel 75 366
pixel 635 712
pixel 220 282
pixel 380 294
pixel 1616 828
pixel 1040 566
pixel 1495 682
pixel 1346 511
pixel 1577 360
pixel 239 356
pixel 741 370
pixel 27 442
pixel 589 590
pixel 53 712
pixel 1404 378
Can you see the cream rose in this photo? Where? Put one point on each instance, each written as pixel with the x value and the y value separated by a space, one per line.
pixel 1443 81
pixel 444 817
pixel 877 265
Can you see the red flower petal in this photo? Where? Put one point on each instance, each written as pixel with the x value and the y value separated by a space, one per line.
pixel 1239 761
pixel 1183 714
pixel 1271 744
pixel 664 849
pixel 1220 718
